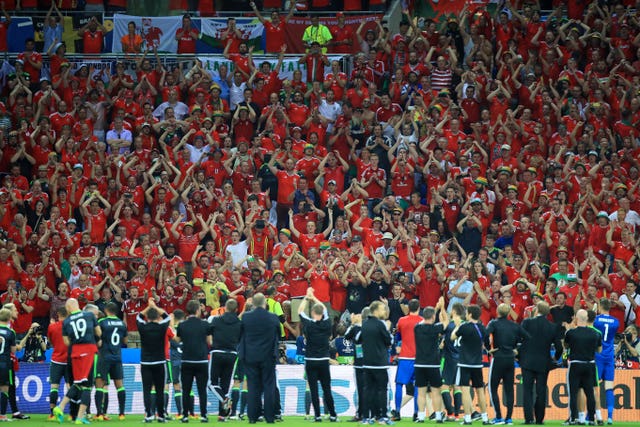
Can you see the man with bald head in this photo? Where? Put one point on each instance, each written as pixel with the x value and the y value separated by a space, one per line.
pixel 81 334
pixel 582 342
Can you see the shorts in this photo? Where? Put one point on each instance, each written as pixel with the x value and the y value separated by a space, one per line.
pixel 469 375
pixel 172 372
pixel 605 368
pixel 6 378
pixel 82 357
pixel 57 372
pixel 405 373
pixel 449 371
pixel 238 371
pixel 109 369
pixel 428 377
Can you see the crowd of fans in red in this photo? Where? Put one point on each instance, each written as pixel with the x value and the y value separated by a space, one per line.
pixel 493 158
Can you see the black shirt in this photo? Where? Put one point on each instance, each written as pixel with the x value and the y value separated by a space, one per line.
pixel 472 338
pixel 506 336
pixel 317 334
pixel 451 348
pixel 113 332
pixel 428 344
pixel 561 315
pixel 375 340
pixel 356 297
pixel 153 337
pixel 351 334
pixel 583 343
pixel 193 334
pixel 226 330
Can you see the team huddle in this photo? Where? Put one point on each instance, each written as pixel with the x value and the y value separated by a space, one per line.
pixel 440 352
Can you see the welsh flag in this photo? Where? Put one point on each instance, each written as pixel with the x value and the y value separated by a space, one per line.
pixel 251 28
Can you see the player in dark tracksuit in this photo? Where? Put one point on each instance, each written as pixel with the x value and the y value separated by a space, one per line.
pixel 351 334
pixel 376 340
pixel 449 366
pixel 225 330
pixel 506 337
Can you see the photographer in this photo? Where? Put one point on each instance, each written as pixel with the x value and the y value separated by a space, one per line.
pixel 34 344
pixel 629 347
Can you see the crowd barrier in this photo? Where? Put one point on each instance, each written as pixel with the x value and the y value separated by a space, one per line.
pixel 33 391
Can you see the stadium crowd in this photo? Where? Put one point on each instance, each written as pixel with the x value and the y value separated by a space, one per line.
pixel 493 158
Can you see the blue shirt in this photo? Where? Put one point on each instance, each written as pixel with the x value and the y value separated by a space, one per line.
pixel 608 326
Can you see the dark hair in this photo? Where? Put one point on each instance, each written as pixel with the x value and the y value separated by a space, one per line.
pixel 152 314
pixel 458 308
pixel 62 312
pixel 178 314
pixel 192 307
pixel 605 304
pixel 474 311
pixel 111 308
pixel 414 305
pixel 591 316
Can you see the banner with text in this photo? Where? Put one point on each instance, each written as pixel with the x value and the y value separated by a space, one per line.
pixel 297 25
pixel 32 389
pixel 289 65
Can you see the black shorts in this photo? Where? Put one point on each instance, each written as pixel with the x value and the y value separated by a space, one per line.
pixel 6 367
pixel 172 372
pixel 238 371
pixel 470 375
pixel 109 369
pixel 449 371
pixel 428 377
pixel 57 372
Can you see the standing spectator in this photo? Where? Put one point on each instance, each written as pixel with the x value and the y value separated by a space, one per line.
pixel 315 60
pixel 92 34
pixel 187 35
pixel 33 60
pixel 275 29
pixel 258 352
pixel 342 36
pixel 53 27
pixel 631 301
pixel 316 33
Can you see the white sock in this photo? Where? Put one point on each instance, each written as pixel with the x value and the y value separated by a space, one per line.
pixel 582 416
pixel 467 417
pixel 598 415
pixel 485 417
pixel 421 415
pixel 438 416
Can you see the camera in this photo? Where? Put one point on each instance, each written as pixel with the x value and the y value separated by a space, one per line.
pixel 626 336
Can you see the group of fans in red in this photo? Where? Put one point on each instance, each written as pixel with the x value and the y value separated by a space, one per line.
pixel 489 159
